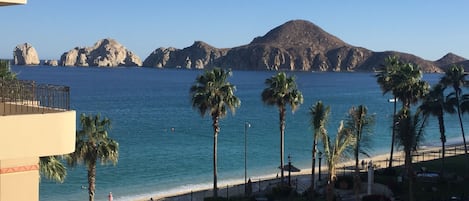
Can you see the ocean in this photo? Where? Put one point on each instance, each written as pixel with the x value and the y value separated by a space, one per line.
pixel 166 146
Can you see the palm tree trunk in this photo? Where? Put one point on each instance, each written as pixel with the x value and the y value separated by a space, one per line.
pixel 282 133
pixel 441 124
pixel 331 183
pixel 216 130
pixel 313 164
pixel 393 132
pixel 460 123
pixel 91 179
pixel 356 177
pixel 410 175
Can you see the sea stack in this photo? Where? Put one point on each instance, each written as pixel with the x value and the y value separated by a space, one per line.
pixel 104 53
pixel 25 54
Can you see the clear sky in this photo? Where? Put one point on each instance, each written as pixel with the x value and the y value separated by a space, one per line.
pixel 426 28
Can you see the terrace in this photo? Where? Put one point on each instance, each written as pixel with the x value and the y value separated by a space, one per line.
pixel 35 121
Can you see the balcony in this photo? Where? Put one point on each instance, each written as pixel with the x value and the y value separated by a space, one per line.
pixel 35 120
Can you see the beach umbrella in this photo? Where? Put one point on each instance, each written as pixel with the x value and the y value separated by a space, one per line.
pixel 289 167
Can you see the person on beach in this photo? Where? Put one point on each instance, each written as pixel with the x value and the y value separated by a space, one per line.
pixel 110 196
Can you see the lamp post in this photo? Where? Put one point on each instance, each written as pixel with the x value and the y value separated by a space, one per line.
pixel 289 170
pixel 246 126
pixel 320 157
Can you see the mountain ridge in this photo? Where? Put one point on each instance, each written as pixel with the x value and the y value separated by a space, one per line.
pixel 296 45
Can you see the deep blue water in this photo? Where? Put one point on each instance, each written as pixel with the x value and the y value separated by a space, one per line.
pixel 144 104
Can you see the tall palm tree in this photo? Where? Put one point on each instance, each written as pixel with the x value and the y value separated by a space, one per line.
pixel 334 153
pixel 319 117
pixel 282 91
pixel 409 136
pixel 387 81
pixel 359 123
pixel 434 104
pixel 92 144
pixel 52 168
pixel 213 94
pixel 456 78
pixel 405 82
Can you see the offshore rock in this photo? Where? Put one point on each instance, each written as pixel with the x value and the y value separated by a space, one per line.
pixel 198 56
pixel 106 52
pixel 52 62
pixel 25 54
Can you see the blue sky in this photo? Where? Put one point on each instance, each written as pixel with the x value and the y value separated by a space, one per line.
pixel 426 28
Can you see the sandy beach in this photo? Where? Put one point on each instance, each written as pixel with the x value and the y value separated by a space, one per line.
pixel 302 180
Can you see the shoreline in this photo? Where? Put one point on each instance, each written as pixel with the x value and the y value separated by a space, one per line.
pixel 303 177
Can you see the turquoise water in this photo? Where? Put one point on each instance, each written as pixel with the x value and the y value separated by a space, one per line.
pixel 144 104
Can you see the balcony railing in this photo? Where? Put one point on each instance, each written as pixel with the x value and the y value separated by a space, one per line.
pixel 25 97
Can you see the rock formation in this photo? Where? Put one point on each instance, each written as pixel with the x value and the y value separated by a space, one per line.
pixel 296 45
pixel 52 62
pixel 105 52
pixel 198 56
pixel 25 54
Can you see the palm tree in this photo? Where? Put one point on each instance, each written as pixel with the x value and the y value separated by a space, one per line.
pixel 434 104
pixel 52 168
pixel 334 153
pixel 92 144
pixel 282 91
pixel 319 116
pixel 405 82
pixel 409 136
pixel 411 87
pixel 213 94
pixel 387 82
pixel 456 77
pixel 359 125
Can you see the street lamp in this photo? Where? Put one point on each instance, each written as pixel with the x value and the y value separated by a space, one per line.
pixel 289 170
pixel 320 157
pixel 246 126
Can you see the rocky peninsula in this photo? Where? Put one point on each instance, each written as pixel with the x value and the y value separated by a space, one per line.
pixel 296 45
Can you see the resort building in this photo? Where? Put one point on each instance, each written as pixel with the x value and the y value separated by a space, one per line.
pixel 35 121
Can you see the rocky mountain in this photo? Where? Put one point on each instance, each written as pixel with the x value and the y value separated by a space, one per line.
pixel 296 45
pixel 106 52
pixel 199 55
pixel 450 59
pixel 25 54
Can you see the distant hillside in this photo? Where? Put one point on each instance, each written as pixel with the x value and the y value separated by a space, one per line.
pixel 450 59
pixel 297 45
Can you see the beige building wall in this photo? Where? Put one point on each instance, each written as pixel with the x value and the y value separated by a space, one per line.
pixel 19 179
pixel 23 139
